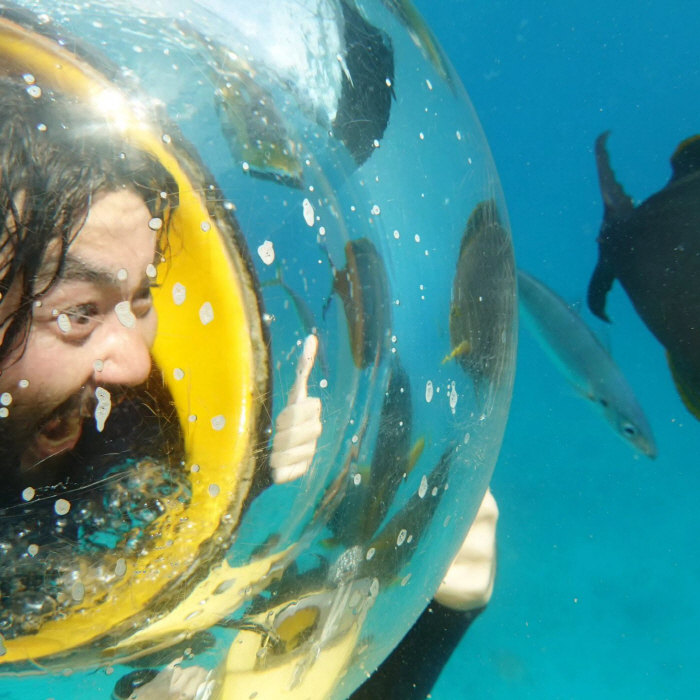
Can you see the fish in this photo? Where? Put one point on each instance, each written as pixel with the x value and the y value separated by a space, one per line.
pixel 422 37
pixel 584 362
pixel 255 130
pixel 397 542
pixel 367 85
pixel 653 250
pixel 322 55
pixel 363 287
pixel 305 314
pixel 483 307
pixel 365 506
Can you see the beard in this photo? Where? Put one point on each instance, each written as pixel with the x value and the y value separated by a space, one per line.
pixel 58 448
pixel 36 442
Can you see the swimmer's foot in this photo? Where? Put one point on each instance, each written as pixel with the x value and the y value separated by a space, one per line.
pixel 468 583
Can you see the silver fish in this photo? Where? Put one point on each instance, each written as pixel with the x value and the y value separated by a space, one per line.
pixel 586 364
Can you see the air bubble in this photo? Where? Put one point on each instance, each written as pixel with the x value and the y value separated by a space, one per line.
pixel 179 293
pixel 28 494
pixel 120 568
pixel 62 506
pixel 77 591
pixel 178 374
pixel 125 315
pixel 6 398
pixel 401 538
pixel 357 479
pixel 155 223
pixel 423 487
pixel 214 490
pixel 23 383
pixel 103 408
pixel 323 383
pixel 64 324
pixel 205 226
pixel 206 313
pixel 34 91
pixel 309 214
pixel 428 391
pixel 266 251
pixel 33 550
pixel 122 274
pixel 218 422
pixel 151 270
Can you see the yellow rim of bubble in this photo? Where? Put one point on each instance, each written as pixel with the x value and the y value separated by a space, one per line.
pixel 211 349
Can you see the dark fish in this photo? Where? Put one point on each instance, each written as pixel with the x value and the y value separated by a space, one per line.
pixel 367 86
pixel 654 251
pixel 397 542
pixel 586 364
pixel 363 287
pixel 306 316
pixel 364 507
pixel 483 296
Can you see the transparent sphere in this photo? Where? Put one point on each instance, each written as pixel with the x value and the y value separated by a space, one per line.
pixel 258 337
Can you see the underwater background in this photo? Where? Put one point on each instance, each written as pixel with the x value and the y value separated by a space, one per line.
pixel 599 568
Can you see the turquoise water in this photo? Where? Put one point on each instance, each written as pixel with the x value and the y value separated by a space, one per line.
pixel 596 595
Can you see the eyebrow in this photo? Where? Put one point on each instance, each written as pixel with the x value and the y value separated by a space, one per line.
pixel 75 270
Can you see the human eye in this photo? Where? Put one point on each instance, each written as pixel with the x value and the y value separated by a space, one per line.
pixel 76 323
pixel 142 302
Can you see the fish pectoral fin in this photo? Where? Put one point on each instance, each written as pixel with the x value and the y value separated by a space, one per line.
pixel 598 288
pixel 687 385
pixel 463 348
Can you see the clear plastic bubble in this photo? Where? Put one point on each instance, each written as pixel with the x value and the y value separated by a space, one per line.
pixel 253 465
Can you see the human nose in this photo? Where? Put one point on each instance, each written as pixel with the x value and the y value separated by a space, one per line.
pixel 125 355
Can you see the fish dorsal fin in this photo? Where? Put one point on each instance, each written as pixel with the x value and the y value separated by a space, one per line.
pixel 686 158
pixel 618 204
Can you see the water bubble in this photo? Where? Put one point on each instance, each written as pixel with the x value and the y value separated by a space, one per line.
pixel 218 422
pixel 125 315
pixel 62 506
pixel 423 489
pixel 206 313
pixel 179 293
pixel 266 251
pixel 309 214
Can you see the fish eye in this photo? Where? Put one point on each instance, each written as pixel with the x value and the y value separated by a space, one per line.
pixel 629 429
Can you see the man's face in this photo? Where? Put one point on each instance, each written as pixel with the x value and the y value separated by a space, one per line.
pixel 94 328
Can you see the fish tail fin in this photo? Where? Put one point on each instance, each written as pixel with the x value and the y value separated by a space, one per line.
pixel 598 288
pixel 687 385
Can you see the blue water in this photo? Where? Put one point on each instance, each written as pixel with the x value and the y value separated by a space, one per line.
pixel 596 595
